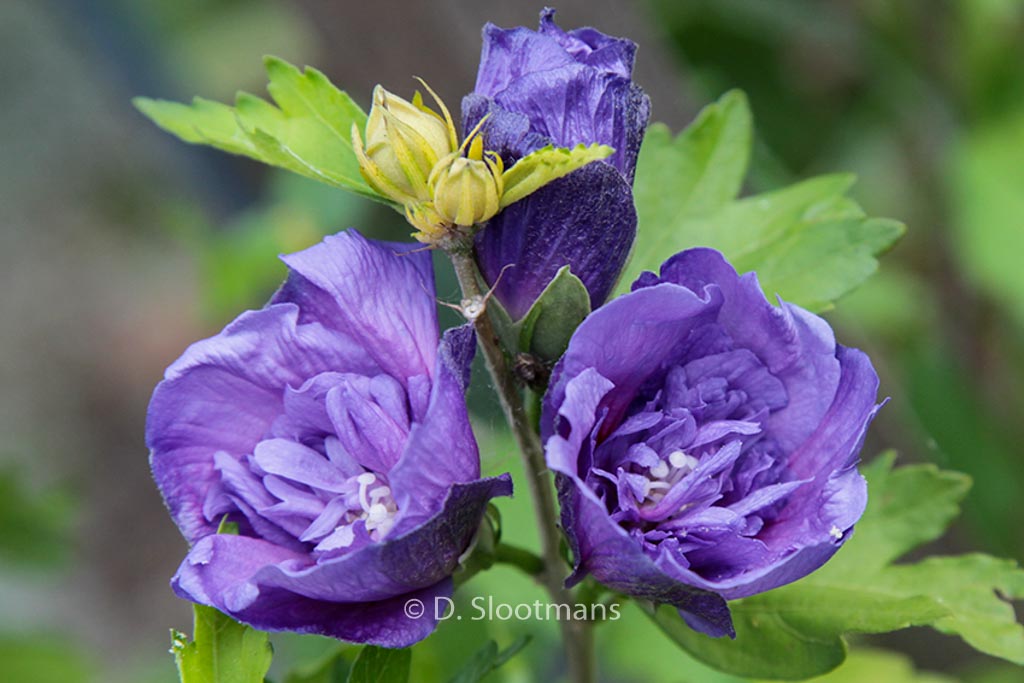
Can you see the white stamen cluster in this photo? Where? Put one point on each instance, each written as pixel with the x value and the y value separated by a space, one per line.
pixel 663 475
pixel 373 505
pixel 378 506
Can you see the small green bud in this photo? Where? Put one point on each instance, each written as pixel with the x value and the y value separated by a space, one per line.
pixel 467 189
pixel 404 142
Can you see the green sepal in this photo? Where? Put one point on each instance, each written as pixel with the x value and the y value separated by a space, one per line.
pixel 308 131
pixel 546 328
pixel 221 650
pixel 539 168
pixel 226 527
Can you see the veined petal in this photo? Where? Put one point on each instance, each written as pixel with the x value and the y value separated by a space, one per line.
pixel 586 220
pixel 575 104
pixel 354 284
pixel 591 47
pixel 509 53
pixel 420 479
pixel 226 585
pixel 224 393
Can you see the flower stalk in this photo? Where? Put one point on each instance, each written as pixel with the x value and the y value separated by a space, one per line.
pixel 577 636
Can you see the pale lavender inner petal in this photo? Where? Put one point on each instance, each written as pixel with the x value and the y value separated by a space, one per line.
pixel 319 478
pixel 691 464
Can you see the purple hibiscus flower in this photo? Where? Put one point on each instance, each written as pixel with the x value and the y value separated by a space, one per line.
pixel 332 428
pixel 706 441
pixel 563 88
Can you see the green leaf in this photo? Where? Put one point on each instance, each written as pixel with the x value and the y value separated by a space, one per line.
pixel 908 507
pixel 969 586
pixel 765 645
pixel 866 664
pixel 381 665
pixel 539 168
pixel 859 591
pixel 308 132
pixel 706 163
pixel 487 659
pixel 954 410
pixel 809 242
pixel 221 650
pixel 546 328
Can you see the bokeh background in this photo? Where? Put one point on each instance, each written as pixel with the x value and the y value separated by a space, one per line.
pixel 120 245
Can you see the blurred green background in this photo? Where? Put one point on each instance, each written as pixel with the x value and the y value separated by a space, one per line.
pixel 119 246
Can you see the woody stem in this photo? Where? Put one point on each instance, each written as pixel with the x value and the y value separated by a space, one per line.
pixel 577 635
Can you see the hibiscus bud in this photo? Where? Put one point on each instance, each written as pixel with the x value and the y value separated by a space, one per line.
pixel 587 219
pixel 467 189
pixel 404 141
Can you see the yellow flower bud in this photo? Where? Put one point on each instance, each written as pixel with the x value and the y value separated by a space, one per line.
pixel 467 189
pixel 404 141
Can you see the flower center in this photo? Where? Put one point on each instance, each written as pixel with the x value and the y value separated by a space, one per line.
pixel 365 506
pixel 663 475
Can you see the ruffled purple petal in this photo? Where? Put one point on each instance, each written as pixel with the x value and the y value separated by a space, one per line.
pixel 628 340
pixel 353 284
pixel 333 429
pixel 218 573
pixel 504 132
pixel 508 54
pixel 575 104
pixel 223 394
pixel 421 479
pixel 384 623
pixel 591 47
pixel 586 220
pixel 232 572
pixel 600 546
pixel 561 88
pixel 797 347
pixel 370 417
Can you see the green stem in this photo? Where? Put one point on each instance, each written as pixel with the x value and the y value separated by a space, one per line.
pixel 576 635
pixel 519 557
